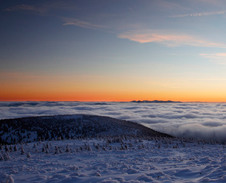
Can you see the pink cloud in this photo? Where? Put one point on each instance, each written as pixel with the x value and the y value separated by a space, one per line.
pixel 168 39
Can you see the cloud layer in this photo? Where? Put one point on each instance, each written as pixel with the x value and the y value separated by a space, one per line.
pixel 168 39
pixel 197 120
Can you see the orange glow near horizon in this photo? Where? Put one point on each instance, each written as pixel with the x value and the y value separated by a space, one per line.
pixel 108 96
pixel 24 87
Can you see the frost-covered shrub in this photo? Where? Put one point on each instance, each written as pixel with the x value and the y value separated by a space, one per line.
pixel 22 150
pixel 6 178
pixel 6 156
pixel 89 148
pixel 6 148
pixel 1 157
pixel 15 148
pixel 10 148
pixel 56 150
pixel 67 149
pixel 28 155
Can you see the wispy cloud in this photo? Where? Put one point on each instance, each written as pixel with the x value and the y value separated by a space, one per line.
pixel 80 23
pixel 199 14
pixel 43 8
pixel 25 7
pixel 46 9
pixel 216 3
pixel 168 39
pixel 219 58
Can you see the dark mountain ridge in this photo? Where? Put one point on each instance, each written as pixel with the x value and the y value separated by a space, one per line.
pixel 29 129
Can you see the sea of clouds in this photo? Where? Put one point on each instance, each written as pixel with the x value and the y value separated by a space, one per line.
pixel 197 120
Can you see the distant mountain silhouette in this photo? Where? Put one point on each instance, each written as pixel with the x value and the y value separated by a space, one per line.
pixel 155 101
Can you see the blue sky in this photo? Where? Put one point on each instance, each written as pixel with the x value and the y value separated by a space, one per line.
pixel 142 49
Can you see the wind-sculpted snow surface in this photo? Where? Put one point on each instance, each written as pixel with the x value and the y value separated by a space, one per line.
pixel 31 129
pixel 113 160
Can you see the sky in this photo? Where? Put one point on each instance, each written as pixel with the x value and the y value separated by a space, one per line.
pixel 113 50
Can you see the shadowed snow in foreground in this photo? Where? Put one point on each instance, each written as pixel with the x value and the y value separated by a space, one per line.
pixel 113 160
pixel 31 129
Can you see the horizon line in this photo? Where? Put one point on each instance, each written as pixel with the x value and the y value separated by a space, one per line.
pixel 119 101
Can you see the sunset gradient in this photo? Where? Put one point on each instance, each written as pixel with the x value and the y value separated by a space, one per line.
pixel 97 50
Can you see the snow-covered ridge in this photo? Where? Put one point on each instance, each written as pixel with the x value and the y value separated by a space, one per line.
pixel 30 129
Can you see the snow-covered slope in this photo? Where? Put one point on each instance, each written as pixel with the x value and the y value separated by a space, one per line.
pixel 126 152
pixel 107 160
pixel 32 129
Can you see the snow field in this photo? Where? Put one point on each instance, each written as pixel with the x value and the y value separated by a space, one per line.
pixel 113 160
